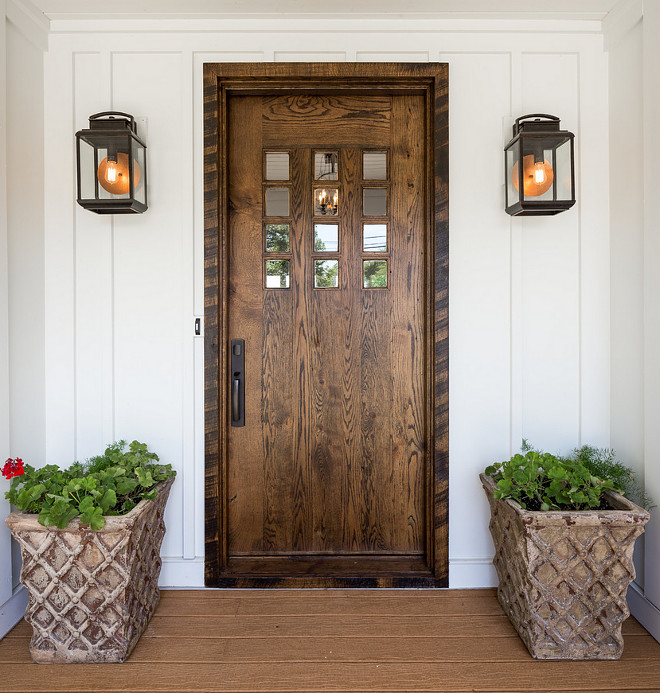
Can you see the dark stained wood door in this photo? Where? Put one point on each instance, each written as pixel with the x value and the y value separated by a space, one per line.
pixel 328 476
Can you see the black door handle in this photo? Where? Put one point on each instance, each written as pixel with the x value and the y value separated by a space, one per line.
pixel 237 382
pixel 235 400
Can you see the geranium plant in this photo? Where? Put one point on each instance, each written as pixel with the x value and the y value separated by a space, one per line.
pixel 541 481
pixel 109 484
pixel 12 468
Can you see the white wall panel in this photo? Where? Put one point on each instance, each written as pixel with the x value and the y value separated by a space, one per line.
pixel 551 278
pixel 124 359
pixel 93 280
pixel 479 292
pixel 5 449
pixel 150 273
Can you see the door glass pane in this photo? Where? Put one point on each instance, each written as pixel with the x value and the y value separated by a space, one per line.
pixel 277 238
pixel 374 274
pixel 325 166
pixel 277 166
pixel 326 202
pixel 277 202
pixel 277 274
pixel 374 238
pixel 326 238
pixel 375 202
pixel 374 165
pixel 326 274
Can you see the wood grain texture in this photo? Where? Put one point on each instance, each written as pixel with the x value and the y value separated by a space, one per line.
pixel 213 298
pixel 309 120
pixel 293 641
pixel 329 93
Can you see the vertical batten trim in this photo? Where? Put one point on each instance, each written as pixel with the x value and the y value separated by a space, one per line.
pixel 109 380
pixel 188 340
pixel 74 244
pixel 516 282
pixel 580 214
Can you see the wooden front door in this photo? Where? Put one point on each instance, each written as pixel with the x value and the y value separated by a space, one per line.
pixel 328 414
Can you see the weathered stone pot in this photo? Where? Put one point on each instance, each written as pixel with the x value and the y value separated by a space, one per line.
pixel 563 576
pixel 91 594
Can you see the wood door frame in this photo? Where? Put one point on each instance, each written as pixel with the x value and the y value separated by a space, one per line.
pixel 432 80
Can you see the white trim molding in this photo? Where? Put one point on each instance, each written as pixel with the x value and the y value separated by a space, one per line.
pixel 181 572
pixel 30 21
pixel 623 17
pixel 471 573
pixel 644 610
pixel 13 610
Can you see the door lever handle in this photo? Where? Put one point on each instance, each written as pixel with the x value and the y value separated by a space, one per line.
pixel 235 400
pixel 237 386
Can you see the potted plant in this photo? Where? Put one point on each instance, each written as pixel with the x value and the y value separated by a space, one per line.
pixel 564 536
pixel 90 539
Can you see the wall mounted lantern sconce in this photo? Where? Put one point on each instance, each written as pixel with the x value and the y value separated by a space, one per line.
pixel 112 165
pixel 539 167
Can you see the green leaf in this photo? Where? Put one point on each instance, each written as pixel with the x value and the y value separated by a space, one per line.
pixel 109 500
pixel 93 517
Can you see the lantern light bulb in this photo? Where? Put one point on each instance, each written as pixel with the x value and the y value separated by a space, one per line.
pixel 539 173
pixel 111 172
pixel 114 175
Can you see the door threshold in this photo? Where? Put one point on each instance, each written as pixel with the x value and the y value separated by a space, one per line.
pixel 328 571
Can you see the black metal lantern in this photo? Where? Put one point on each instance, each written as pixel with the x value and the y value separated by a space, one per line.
pixel 112 165
pixel 539 168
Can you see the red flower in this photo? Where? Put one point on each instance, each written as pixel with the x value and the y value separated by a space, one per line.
pixel 13 468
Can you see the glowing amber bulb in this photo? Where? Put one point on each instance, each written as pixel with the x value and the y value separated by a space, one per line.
pixel 114 175
pixel 111 172
pixel 537 176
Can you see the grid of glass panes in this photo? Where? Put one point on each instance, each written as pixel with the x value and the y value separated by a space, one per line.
pixel 375 219
pixel 277 219
pixel 326 203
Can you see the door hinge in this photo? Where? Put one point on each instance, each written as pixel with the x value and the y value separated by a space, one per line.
pixel 198 327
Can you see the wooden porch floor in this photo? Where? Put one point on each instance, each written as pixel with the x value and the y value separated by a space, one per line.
pixel 333 640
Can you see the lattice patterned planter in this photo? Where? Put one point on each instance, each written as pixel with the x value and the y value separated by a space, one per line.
pixel 563 576
pixel 91 594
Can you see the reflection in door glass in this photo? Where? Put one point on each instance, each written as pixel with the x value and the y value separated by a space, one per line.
pixel 374 165
pixel 325 166
pixel 277 166
pixel 326 238
pixel 277 274
pixel 375 274
pixel 326 202
pixel 277 238
pixel 326 274
pixel 374 238
pixel 277 202
pixel 375 202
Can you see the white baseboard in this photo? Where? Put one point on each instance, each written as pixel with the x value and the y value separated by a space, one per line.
pixel 181 572
pixel 471 573
pixel 646 612
pixel 13 610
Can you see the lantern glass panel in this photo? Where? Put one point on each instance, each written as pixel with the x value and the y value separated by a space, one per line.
pixel 140 191
pixel 87 171
pixel 512 194
pixel 563 171
pixel 538 175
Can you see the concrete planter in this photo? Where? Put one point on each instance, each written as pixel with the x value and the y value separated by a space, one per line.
pixel 563 576
pixel 91 594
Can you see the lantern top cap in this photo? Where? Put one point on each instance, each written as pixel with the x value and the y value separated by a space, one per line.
pixel 112 120
pixel 536 122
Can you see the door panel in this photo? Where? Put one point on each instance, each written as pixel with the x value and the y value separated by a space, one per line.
pixel 329 474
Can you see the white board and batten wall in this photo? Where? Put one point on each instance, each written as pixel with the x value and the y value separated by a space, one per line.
pixel 529 300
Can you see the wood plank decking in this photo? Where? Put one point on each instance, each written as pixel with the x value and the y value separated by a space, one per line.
pixel 333 640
